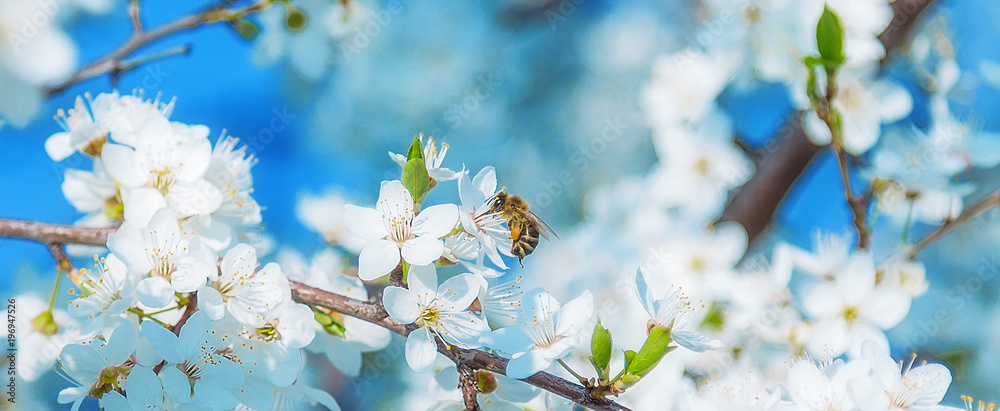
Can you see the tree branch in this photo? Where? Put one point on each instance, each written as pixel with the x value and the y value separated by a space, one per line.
pixel 113 63
pixel 986 203
pixel 54 233
pixel 467 382
pixel 63 263
pixel 755 203
pixel 475 359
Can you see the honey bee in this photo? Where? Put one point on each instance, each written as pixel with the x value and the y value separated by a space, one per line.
pixel 525 226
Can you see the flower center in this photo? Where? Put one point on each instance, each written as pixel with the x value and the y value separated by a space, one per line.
pixel 851 314
pixel 752 14
pixel 701 166
pixel 429 316
pixel 851 96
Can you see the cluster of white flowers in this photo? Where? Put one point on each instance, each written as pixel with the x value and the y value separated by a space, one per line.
pixel 143 162
pixel 186 219
pixel 833 299
pixel 131 337
pixel 476 307
pixel 181 313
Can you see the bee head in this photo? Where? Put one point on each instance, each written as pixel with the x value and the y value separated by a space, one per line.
pixel 498 201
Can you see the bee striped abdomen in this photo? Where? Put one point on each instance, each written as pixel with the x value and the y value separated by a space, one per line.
pixel 526 243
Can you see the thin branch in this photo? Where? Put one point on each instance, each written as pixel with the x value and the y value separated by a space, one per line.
pixel 112 62
pixel 755 203
pixel 63 263
pixel 133 14
pixel 126 65
pixel 857 203
pixel 192 306
pixel 396 276
pixel 981 206
pixel 475 359
pixel 467 382
pixel 54 233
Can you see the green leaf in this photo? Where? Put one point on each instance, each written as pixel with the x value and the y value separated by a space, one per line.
pixel 629 356
pixel 656 346
pixel 245 28
pixel 813 61
pixel 624 382
pixel 830 39
pixel 330 323
pixel 416 179
pixel 600 349
pixel 416 150
pixel 295 19
pixel 713 319
pixel 812 91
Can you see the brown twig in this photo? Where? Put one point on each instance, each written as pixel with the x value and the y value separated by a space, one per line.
pixel 986 203
pixel 54 233
pixel 857 203
pixel 192 306
pixel 113 63
pixel 133 14
pixel 63 262
pixel 467 383
pixel 396 276
pixel 754 204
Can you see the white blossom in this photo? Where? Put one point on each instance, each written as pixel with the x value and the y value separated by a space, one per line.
pixel 546 331
pixel 394 230
pixel 439 312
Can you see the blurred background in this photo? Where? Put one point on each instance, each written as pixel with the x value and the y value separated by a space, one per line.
pixel 525 86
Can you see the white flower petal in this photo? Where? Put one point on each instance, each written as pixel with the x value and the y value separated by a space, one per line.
pixel 163 341
pixel 113 401
pixel 510 340
pixel 485 181
pixel 423 282
pixel 364 222
pixel 574 315
pixel 144 389
pixel 377 259
pixel 459 291
pixel 223 372
pixel 816 129
pixel 120 163
pixel 194 198
pixel 210 301
pixel 401 304
pixel 141 203
pixel 422 250
pixel 694 341
pixel 894 102
pixel 527 364
pixel 886 307
pixel 933 381
pixel 436 221
pixel 645 293
pixel 420 351
pixel 155 292
pixel 394 202
pixel 121 344
pixel 214 397
pixel 176 384
pixel 58 146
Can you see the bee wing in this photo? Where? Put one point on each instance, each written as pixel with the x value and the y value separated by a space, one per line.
pixel 543 228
